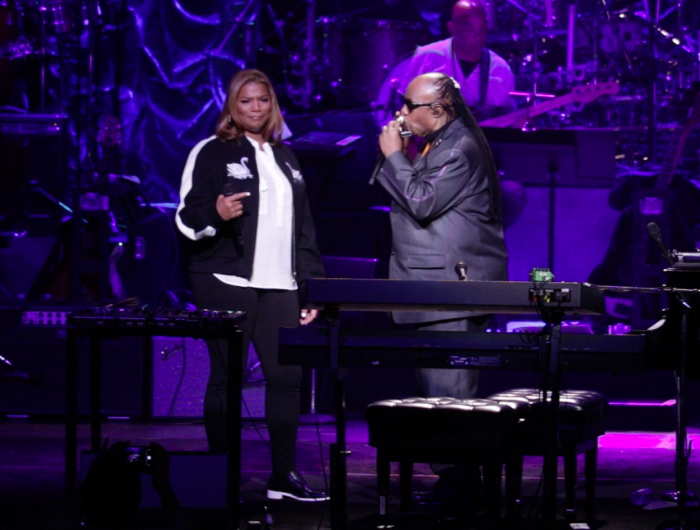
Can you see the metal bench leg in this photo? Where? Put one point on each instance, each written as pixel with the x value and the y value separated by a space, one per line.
pixel 492 491
pixel 591 462
pixel 405 483
pixel 569 453
pixel 514 481
pixel 383 474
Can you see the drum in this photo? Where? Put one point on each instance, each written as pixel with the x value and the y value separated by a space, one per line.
pixel 523 17
pixel 376 45
pixel 324 67
pixel 622 35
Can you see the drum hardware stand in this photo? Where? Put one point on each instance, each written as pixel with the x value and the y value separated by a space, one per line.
pixel 553 170
pixel 309 45
pixel 284 49
pixel 534 35
pixel 42 78
pixel 652 8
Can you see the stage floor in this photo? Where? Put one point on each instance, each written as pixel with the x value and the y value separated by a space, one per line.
pixel 31 476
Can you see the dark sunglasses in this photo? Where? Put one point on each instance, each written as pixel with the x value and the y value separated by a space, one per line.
pixel 413 106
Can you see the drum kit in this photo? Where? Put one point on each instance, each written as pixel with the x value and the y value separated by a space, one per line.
pixel 349 58
pixel 551 45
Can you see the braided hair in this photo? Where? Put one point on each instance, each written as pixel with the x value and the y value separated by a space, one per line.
pixel 451 99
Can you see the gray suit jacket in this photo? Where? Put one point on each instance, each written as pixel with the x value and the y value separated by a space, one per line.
pixel 441 214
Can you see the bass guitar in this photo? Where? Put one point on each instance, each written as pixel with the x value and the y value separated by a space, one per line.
pixel 580 94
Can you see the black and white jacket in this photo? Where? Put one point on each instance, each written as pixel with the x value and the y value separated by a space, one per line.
pixel 216 245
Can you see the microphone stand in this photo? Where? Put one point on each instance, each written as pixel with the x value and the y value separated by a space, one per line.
pixel 681 495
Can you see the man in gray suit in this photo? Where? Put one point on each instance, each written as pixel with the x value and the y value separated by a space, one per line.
pixel 445 210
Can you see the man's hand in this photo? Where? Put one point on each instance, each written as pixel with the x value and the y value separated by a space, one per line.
pixel 307 316
pixel 232 206
pixel 390 140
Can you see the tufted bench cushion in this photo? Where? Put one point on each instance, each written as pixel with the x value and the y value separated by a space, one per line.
pixel 581 420
pixel 447 431
pixel 581 412
pixel 449 422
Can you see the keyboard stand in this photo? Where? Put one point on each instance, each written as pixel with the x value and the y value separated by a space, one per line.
pixel 233 411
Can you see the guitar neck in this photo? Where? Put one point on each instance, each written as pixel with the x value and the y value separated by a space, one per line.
pixel 673 154
pixel 522 115
pixel 676 145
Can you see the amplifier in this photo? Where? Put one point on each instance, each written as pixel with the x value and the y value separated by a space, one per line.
pixel 34 151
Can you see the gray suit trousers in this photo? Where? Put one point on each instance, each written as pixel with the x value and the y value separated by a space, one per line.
pixel 446 382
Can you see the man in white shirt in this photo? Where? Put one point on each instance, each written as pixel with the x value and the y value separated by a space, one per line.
pixel 485 77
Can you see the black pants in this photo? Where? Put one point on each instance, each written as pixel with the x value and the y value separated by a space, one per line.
pixel 267 310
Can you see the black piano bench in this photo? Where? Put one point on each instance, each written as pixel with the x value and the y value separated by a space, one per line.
pixel 581 421
pixel 446 431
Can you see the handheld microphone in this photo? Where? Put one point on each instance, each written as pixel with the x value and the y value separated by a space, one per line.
pixel 461 270
pixel 229 188
pixel 377 168
pixel 404 132
pixel 655 234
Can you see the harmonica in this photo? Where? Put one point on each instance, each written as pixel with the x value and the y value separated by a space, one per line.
pixel 404 131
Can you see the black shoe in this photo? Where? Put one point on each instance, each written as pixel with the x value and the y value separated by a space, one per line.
pixel 446 494
pixel 294 487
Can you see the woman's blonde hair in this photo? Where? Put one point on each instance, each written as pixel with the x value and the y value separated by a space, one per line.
pixel 228 126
